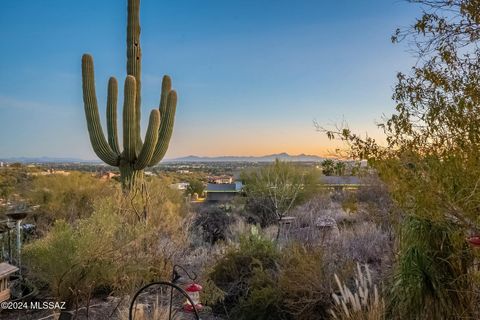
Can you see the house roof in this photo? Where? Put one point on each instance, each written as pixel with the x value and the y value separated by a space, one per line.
pixel 340 180
pixel 224 187
pixel 6 269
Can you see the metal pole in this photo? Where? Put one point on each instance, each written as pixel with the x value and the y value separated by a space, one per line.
pixel 9 246
pixel 19 245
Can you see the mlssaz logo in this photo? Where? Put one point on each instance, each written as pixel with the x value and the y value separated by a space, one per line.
pixel 47 305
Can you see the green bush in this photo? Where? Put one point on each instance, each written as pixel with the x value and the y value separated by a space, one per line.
pixel 239 270
pixel 110 250
pixel 273 190
pixel 306 280
pixel 74 261
pixel 68 197
pixel 263 300
pixel 431 279
pixel 213 223
pixel 261 282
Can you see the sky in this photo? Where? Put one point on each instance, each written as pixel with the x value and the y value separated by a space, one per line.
pixel 251 75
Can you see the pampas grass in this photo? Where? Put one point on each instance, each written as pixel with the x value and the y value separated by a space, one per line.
pixel 360 303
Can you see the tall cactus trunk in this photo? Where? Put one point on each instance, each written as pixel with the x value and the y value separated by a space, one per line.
pixel 130 178
pixel 137 154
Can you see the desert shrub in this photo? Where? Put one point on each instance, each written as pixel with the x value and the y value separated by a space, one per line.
pixel 195 186
pixel 431 279
pixel 365 243
pixel 374 190
pixel 165 206
pixel 257 212
pixel 258 281
pixel 110 250
pixel 149 247
pixel 430 162
pixel 318 206
pixel 272 191
pixel 213 224
pixel 264 299
pixel 211 294
pixel 235 272
pixel 378 203
pixel 238 229
pixel 72 262
pixel 306 280
pixel 349 203
pixel 14 180
pixel 68 197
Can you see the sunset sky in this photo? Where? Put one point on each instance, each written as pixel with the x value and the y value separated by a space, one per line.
pixel 251 75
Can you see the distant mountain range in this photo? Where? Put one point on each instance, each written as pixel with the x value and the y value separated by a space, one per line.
pixel 47 160
pixel 267 158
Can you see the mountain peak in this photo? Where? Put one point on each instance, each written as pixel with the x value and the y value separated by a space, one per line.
pixel 267 158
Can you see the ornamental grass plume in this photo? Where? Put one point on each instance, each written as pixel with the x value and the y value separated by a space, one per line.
pixel 361 303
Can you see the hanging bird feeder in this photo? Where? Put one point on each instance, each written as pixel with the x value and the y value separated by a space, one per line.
pixel 474 241
pixel 193 291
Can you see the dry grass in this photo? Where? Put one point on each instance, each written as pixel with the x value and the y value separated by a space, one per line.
pixel 361 303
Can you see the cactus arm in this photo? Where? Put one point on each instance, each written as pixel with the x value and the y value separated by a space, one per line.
pixel 166 128
pixel 97 138
pixel 112 115
pixel 151 138
pixel 129 115
pixel 134 58
pixel 166 88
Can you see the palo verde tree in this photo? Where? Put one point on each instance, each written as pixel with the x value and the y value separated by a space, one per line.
pixel 273 190
pixel 431 161
pixel 433 138
pixel 136 154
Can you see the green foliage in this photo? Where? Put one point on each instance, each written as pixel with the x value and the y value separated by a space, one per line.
pixel 13 180
pixel 430 162
pixel 273 190
pixel 73 262
pixel 165 205
pixel 110 249
pixel 237 271
pixel 340 168
pixel 261 282
pixel 306 280
pixel 69 197
pixel 328 167
pixel 263 300
pixel 213 223
pixel 195 186
pixel 430 279
pixel 211 294
pixel 137 155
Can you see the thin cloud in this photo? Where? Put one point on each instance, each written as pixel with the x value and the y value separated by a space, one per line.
pixel 12 103
pixel 7 102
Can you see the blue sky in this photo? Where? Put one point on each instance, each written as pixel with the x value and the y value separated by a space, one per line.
pixel 251 74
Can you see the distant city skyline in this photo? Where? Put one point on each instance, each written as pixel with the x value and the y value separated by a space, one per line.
pixel 251 75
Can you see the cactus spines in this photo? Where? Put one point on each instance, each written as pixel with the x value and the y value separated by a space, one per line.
pixel 134 57
pixel 167 113
pixel 136 155
pixel 99 144
pixel 112 115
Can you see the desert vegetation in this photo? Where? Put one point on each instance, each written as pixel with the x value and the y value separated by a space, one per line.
pixel 396 244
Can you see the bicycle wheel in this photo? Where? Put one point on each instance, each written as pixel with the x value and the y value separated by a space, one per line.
pixel 161 301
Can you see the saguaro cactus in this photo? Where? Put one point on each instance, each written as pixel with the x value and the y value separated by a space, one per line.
pixel 136 155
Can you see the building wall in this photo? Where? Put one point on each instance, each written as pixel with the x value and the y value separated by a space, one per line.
pixel 221 196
